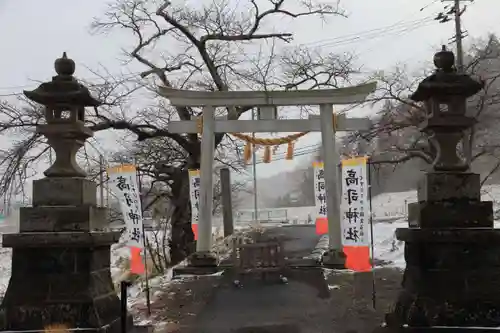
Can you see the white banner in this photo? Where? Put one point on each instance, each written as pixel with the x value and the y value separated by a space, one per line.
pixel 194 192
pixel 320 190
pixel 355 206
pixel 123 183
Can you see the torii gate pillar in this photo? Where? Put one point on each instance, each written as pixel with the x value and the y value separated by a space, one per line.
pixel 324 123
pixel 335 256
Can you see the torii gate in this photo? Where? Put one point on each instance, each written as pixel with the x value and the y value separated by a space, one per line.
pixel 266 100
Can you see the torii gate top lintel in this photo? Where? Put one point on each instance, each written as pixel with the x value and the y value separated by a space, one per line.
pixel 348 95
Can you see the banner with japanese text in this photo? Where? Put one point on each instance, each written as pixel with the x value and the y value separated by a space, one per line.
pixel 194 194
pixel 320 198
pixel 355 204
pixel 355 214
pixel 123 183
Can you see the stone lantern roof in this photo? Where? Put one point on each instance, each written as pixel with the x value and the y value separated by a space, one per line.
pixel 446 82
pixel 64 90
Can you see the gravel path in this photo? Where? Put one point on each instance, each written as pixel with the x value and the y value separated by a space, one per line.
pixel 313 301
pixel 347 305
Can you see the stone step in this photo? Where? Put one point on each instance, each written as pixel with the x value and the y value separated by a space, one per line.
pixel 188 270
pixel 141 329
pixel 293 262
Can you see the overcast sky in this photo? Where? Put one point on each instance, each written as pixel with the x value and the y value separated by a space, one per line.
pixel 381 32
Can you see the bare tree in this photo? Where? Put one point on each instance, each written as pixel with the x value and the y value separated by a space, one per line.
pixel 396 130
pixel 208 47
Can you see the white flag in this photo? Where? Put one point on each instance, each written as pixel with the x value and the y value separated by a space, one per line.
pixel 194 191
pixel 355 205
pixel 123 183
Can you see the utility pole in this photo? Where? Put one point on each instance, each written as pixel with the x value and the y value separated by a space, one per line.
pixel 227 207
pixel 458 38
pixel 459 35
pixel 101 179
pixel 107 196
pixel 254 171
pixel 444 17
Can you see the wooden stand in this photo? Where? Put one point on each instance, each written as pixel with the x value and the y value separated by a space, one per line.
pixel 260 257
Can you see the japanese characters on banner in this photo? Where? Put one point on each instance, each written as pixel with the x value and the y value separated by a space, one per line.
pixel 320 198
pixel 320 189
pixel 123 183
pixel 194 191
pixel 355 205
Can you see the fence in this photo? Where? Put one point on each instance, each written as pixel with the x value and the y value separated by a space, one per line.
pixel 265 215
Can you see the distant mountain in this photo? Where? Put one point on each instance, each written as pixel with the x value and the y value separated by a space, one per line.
pixel 269 190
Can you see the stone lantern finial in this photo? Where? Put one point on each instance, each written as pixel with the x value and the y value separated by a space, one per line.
pixel 444 60
pixel 64 66
pixel 65 100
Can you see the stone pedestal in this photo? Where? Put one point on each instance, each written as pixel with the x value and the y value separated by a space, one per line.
pixel 203 259
pixel 452 253
pixel 200 263
pixel 334 259
pixel 61 261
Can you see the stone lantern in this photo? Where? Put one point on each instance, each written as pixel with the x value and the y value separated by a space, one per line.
pixel 61 256
pixel 65 100
pixel 444 94
pixel 452 252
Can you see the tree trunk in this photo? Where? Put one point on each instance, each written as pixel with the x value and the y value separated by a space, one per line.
pixel 182 242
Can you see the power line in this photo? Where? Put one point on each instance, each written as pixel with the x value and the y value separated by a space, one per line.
pixel 380 34
pixel 397 25
pixel 304 151
pixel 363 35
pixel 90 80
pixel 430 4
pixel 400 33
pixel 296 154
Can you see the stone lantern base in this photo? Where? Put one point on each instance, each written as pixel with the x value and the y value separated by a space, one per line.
pixel 451 279
pixel 60 285
pixel 452 253
pixel 60 265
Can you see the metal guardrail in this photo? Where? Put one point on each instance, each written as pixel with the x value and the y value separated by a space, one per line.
pixel 265 215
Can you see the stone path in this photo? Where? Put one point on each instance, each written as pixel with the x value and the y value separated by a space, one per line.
pixel 309 303
pixel 260 305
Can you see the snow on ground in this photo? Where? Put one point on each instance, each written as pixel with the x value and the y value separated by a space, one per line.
pixel 386 246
